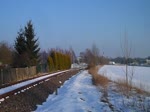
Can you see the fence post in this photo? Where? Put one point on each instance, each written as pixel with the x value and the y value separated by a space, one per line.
pixel 56 92
pixel 17 74
pixel 2 75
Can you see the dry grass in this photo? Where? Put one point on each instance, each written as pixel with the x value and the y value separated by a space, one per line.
pixel 123 87
pixel 127 89
pixel 101 80
pixel 98 79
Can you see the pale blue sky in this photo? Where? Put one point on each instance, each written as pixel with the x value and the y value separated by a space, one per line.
pixel 80 23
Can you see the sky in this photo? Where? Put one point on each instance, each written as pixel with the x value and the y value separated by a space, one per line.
pixel 80 23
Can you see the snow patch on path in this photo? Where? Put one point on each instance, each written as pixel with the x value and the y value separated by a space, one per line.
pixel 76 95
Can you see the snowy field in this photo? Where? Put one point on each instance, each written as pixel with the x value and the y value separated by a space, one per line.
pixel 19 85
pixel 141 75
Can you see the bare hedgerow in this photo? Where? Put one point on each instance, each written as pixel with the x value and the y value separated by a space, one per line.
pixel 98 79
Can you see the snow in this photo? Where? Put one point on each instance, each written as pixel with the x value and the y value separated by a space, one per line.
pixel 76 95
pixel 135 103
pixel 141 75
pixel 13 87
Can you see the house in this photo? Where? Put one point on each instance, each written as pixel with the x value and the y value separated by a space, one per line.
pixel 112 63
pixel 148 61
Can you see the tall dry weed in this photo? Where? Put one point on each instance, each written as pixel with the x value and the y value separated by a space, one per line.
pixel 97 78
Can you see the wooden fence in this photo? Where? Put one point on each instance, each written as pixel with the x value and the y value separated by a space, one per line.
pixel 10 75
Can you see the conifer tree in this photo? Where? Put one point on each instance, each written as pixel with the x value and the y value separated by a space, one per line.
pixel 20 57
pixel 27 48
pixel 31 44
pixel 50 63
pixel 20 43
pixel 55 60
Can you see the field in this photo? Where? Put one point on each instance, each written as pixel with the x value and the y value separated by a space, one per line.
pixel 141 75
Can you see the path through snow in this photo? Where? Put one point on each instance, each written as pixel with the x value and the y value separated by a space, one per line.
pixel 76 95
pixel 79 95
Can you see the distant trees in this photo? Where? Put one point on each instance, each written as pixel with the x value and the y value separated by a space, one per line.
pixel 50 63
pixel 73 55
pixel 59 59
pixel 92 56
pixel 88 57
pixel 6 53
pixel 43 56
pixel 26 52
pixel 96 55
pixel 26 46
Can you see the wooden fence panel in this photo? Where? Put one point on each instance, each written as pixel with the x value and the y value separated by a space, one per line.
pixel 16 74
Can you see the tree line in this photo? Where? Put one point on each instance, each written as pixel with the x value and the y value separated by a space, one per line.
pixel 93 56
pixel 26 52
pixel 59 60
pixel 121 60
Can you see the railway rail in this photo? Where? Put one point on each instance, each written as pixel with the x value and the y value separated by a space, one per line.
pixel 21 87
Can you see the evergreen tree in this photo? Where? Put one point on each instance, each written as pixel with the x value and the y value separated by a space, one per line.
pixel 61 59
pixel 50 63
pixel 55 59
pixel 27 48
pixel 20 43
pixel 20 56
pixel 31 44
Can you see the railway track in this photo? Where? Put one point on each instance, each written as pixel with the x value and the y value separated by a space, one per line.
pixel 23 86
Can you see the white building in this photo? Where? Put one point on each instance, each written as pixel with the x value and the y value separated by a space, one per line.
pixel 148 61
pixel 112 63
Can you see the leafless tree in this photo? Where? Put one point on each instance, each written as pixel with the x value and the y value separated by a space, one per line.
pixel 5 53
pixel 126 51
pixel 96 53
pixel 73 56
pixel 43 57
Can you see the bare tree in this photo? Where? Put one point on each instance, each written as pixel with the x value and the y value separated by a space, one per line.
pixel 96 54
pixel 73 55
pixel 5 53
pixel 89 57
pixel 43 57
pixel 126 51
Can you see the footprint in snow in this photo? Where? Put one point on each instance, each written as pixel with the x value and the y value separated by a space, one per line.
pixel 82 99
pixel 79 93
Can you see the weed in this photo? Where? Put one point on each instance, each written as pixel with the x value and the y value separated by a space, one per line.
pixel 98 79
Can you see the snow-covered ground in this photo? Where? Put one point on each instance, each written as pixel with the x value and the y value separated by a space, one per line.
pixel 141 75
pixel 76 95
pixel 15 86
